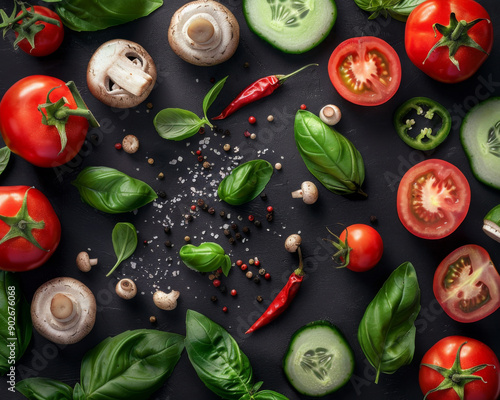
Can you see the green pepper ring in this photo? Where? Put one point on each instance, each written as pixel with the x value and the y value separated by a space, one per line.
pixel 421 105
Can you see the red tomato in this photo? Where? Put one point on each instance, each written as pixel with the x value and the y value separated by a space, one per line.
pixel 21 122
pixel 433 199
pixel 365 70
pixel 421 35
pixel 48 39
pixel 473 353
pixel 467 285
pixel 365 247
pixel 29 228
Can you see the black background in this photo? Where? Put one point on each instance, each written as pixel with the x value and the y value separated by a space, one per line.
pixel 339 296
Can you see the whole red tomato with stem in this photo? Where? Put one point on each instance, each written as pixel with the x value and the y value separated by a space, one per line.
pixel 448 40
pixel 44 120
pixel 460 368
pixel 359 247
pixel 29 228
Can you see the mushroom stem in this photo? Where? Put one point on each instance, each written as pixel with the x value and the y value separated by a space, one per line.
pixel 129 77
pixel 298 194
pixel 61 307
pixel 200 30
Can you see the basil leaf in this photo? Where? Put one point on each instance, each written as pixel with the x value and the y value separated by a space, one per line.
pixel 398 9
pixel 15 321
pixel 4 158
pixel 131 365
pixel 216 357
pixel 402 10
pixel 112 191
pixel 387 331
pixel 268 395
pixel 44 389
pixel 328 155
pixel 124 238
pixel 177 124
pixel 94 15
pixel 212 95
pixel 207 257
pixel 245 182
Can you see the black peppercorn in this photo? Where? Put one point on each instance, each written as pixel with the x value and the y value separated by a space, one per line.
pixel 231 240
pixel 201 131
pixel 237 236
pixel 200 202
pixel 204 207
pixel 257 223
pixel 211 211
pixel 246 229
pixel 168 243
pixel 213 298
pixel 269 217
pixel 227 132
pixel 263 196
pixel 162 194
pixel 256 279
pixel 222 214
pixel 166 229
pixel 373 219
pixel 260 299
pixel 226 232
pixel 234 227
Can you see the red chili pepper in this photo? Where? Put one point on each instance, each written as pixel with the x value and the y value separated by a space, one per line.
pixel 283 299
pixel 257 90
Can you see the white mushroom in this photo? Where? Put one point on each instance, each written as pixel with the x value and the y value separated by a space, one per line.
pixel 293 242
pixel 204 32
pixel 166 301
pixel 330 114
pixel 130 144
pixel 121 73
pixel 126 288
pixel 308 192
pixel 63 310
pixel 84 262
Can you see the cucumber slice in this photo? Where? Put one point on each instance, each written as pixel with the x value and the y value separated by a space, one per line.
pixel 292 26
pixel 319 360
pixel 480 137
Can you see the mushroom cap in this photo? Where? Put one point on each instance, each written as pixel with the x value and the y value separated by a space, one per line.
pixel 126 288
pixel 293 242
pixel 330 114
pixel 83 261
pixel 121 73
pixel 221 45
pixel 166 301
pixel 309 192
pixel 69 330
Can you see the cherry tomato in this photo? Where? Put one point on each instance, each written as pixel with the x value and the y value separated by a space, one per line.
pixel 21 122
pixel 467 285
pixel 29 228
pixel 469 353
pixel 427 26
pixel 48 39
pixel 433 199
pixel 365 70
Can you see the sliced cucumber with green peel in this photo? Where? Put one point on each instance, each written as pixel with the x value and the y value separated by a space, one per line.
pixel 480 136
pixel 292 26
pixel 319 360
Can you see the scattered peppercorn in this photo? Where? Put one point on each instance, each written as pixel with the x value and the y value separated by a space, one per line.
pixel 246 64
pixel 168 243
pixel 94 138
pixel 216 282
pixel 246 133
pixel 234 227
pixel 278 166
pixel 267 276
pixel 246 229
pixel 256 279
pixel 251 261
pixel 211 211
pixel 270 209
pixel 257 223
pixel 198 152
pixel 269 217
pixel 206 165
pixel 188 217
pixel 222 214
pixel 145 242
pixel 219 130
pixel 262 271
pixel 270 118
pixel 234 292
pixel 244 267
pixel 227 232
pixel 211 277
pixel 200 158
pixel 201 131
pixel 251 218
pixel 232 240
pixel 118 146
pixel 149 105
pixel 253 136
pixel 200 202
pixel 227 147
pixel 263 196
pixel 161 175
pixel 257 263
pixel 204 207
pixel 161 194
pixel 227 132
pixel 252 120
pixel 193 207
pixel 187 239
pixel 239 263
pixel 225 309
pixel 249 274
pixel 214 299
pixel 151 161
pixel 238 236
pixel 373 219
pixel 303 107
pixel 152 319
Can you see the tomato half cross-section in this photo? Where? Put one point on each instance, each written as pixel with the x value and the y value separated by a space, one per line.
pixel 365 70
pixel 433 199
pixel 30 230
pixel 467 284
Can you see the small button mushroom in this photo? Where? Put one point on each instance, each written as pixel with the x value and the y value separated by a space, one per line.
pixel 293 242
pixel 330 114
pixel 84 262
pixel 166 301
pixel 126 288
pixel 130 144
pixel 121 73
pixel 204 32
pixel 308 192
pixel 63 310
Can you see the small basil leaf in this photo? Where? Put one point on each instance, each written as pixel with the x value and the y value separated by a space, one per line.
pixel 212 95
pixel 131 365
pixel 44 389
pixel 112 191
pixel 245 182
pixel 387 331
pixel 124 237
pixel 177 124
pixel 4 158
pixel 207 257
pixel 328 155
pixel 15 321
pixel 216 358
pixel 78 393
pixel 268 395
pixel 398 9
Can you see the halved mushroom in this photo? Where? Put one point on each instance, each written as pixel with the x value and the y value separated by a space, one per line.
pixel 63 310
pixel 121 73
pixel 204 32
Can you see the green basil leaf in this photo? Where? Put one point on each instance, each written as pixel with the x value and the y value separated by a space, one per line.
pixel 387 331
pixel 212 95
pixel 78 393
pixel 112 191
pixel 207 257
pixel 268 395
pixel 131 365
pixel 94 15
pixel 44 389
pixel 398 9
pixel 245 182
pixel 402 10
pixel 328 155
pixel 4 158
pixel 177 124
pixel 15 321
pixel 124 238
pixel 216 357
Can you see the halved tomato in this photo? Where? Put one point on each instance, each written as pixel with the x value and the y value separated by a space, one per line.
pixel 467 285
pixel 433 199
pixel 365 70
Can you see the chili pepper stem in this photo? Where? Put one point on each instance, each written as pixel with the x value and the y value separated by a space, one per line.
pixel 300 270
pixel 283 78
